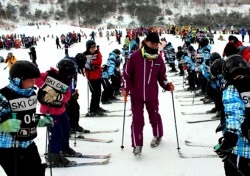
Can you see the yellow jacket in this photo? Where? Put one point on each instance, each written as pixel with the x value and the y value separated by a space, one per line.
pixel 10 61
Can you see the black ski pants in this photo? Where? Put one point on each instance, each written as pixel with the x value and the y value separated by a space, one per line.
pixel 231 168
pixel 73 111
pixel 107 93
pixel 95 87
pixel 25 161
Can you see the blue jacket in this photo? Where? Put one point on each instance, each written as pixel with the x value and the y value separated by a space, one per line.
pixel 110 66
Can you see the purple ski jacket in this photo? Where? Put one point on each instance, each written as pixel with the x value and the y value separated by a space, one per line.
pixel 141 76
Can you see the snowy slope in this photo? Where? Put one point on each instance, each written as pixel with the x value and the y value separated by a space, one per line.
pixel 161 161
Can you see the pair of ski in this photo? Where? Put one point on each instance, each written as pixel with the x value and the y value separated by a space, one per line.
pixel 110 115
pixel 92 163
pixel 80 136
pixel 197 155
pixel 199 113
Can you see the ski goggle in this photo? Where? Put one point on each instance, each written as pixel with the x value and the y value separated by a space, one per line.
pixel 149 56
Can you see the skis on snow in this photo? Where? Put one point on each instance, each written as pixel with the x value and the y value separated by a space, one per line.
pixel 100 131
pixel 197 155
pixel 201 121
pixel 188 154
pixel 77 164
pixel 106 156
pixel 91 156
pixel 193 113
pixel 83 138
pixel 195 144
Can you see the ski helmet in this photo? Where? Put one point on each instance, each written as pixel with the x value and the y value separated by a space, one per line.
pixel 216 67
pixel 234 64
pixel 203 42
pixel 190 48
pixel 230 49
pixel 187 43
pixel 66 67
pixel 24 70
pixel 179 48
pixel 90 43
pixel 214 56
pixel 116 51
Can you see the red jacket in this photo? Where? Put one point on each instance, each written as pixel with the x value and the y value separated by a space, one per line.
pixel 96 61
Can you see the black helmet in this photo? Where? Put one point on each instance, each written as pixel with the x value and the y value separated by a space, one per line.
pixel 66 67
pixel 203 42
pixel 234 64
pixel 187 43
pixel 24 70
pixel 116 51
pixel 216 67
pixel 179 48
pixel 190 48
pixel 90 43
pixel 214 56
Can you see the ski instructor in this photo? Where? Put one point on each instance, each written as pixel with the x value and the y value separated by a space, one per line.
pixel 144 69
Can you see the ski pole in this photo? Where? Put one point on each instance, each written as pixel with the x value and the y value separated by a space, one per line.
pixel 49 146
pixel 5 67
pixel 176 131
pixel 88 95
pixel 238 169
pixel 125 102
pixel 75 123
pixel 15 144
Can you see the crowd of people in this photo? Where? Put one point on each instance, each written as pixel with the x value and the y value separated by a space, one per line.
pixel 136 71
pixel 222 79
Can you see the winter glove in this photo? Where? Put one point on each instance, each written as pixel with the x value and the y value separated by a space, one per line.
pixel 169 87
pixel 125 95
pixel 46 122
pixel 223 154
pixel 51 95
pixel 225 146
pixel 10 125
pixel 75 95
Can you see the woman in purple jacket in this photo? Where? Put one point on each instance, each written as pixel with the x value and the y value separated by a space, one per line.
pixel 144 69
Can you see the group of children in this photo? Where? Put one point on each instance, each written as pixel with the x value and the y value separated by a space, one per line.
pixel 223 82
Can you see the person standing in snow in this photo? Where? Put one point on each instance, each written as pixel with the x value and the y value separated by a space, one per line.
pixel 18 124
pixel 144 70
pixel 93 72
pixel 53 94
pixel 32 54
pixel 10 60
pixel 234 147
pixel 58 43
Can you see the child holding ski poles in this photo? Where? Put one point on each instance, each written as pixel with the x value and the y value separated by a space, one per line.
pixel 234 147
pixel 54 92
pixel 18 151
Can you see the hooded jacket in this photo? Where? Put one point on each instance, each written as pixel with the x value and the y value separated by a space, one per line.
pixel 141 76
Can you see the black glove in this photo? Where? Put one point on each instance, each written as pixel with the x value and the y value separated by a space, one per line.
pixel 220 127
pixel 75 95
pixel 225 146
pixel 79 70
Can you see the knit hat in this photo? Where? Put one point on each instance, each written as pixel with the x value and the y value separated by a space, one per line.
pixel 153 37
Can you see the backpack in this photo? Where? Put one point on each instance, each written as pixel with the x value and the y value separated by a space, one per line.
pixel 80 61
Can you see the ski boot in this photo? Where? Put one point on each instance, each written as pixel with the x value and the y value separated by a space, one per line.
pixel 213 110
pixel 57 160
pixel 137 150
pixel 155 142
pixel 70 152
